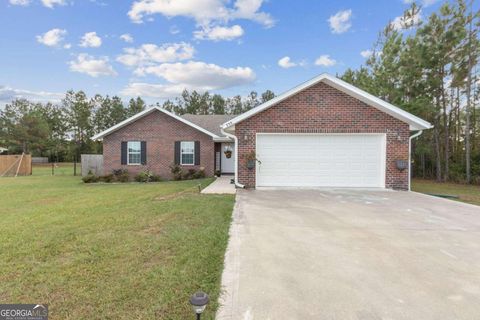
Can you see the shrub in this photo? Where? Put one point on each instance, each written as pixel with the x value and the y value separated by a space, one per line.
pixel 218 173
pixel 121 175
pixel 90 178
pixel 186 175
pixel 155 178
pixel 177 172
pixel 107 178
pixel 142 176
pixel 147 176
pixel 199 174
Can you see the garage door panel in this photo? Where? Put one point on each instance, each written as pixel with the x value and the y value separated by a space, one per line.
pixel 320 160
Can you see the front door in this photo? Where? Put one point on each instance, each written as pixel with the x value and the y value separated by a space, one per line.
pixel 228 157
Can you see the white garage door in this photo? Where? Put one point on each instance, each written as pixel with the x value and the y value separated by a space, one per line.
pixel 311 160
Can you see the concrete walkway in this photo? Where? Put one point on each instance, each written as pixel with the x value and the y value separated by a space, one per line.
pixel 350 254
pixel 221 185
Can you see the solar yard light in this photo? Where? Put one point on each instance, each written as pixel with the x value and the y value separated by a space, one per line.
pixel 199 301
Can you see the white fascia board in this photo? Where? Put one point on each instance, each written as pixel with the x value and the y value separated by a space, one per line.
pixel 144 113
pixel 415 122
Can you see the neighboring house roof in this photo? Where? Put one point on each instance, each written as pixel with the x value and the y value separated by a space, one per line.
pixel 415 122
pixel 146 112
pixel 210 122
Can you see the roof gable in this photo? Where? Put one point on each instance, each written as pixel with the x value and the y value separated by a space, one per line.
pixel 146 112
pixel 415 122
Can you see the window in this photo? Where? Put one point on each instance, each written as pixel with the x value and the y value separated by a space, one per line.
pixel 134 152
pixel 187 153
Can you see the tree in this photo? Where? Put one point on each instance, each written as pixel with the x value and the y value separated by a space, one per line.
pixel 109 112
pixel 25 128
pixel 79 113
pixel 135 106
pixel 251 101
pixel 267 95
pixel 218 104
pixel 430 71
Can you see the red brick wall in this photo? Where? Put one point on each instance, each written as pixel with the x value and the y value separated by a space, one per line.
pixel 160 131
pixel 324 109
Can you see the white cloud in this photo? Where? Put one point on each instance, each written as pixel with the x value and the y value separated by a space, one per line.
pixel 325 60
pixel 8 94
pixel 340 22
pixel 53 37
pixel 160 91
pixel 407 21
pixel 219 33
pixel 249 9
pixel 204 12
pixel 425 3
pixel 92 66
pixel 148 54
pixel 200 74
pixel 52 3
pixel 366 53
pixel 23 3
pixel 127 38
pixel 286 63
pixel 90 39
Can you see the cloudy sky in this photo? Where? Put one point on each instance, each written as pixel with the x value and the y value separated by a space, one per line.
pixel 156 48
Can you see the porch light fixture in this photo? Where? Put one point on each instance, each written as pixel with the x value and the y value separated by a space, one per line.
pixel 199 302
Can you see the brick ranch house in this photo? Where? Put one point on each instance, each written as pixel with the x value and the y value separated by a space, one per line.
pixel 322 133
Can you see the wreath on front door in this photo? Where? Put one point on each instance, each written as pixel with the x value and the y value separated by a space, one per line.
pixel 228 152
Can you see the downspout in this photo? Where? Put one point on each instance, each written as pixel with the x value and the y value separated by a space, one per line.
pixel 234 137
pixel 410 158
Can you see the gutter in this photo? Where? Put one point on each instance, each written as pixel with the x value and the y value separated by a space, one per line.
pixel 410 158
pixel 234 137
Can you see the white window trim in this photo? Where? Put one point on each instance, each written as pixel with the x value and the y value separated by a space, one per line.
pixel 128 154
pixel 193 154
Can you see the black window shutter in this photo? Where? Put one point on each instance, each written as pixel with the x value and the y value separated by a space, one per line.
pixel 143 152
pixel 124 153
pixel 177 152
pixel 197 153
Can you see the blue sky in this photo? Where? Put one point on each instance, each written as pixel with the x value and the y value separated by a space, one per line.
pixel 155 48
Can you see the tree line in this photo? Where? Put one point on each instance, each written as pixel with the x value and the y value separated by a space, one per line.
pixel 431 69
pixel 63 131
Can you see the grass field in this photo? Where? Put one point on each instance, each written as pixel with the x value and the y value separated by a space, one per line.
pixel 466 193
pixel 59 169
pixel 110 251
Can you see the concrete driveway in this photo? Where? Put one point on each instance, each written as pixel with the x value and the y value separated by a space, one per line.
pixel 314 254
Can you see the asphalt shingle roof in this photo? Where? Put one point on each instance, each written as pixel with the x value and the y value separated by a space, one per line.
pixel 210 122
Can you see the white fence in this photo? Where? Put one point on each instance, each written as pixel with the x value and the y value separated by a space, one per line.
pixel 92 162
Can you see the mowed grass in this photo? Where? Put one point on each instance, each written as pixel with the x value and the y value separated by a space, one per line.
pixel 59 169
pixel 465 193
pixel 111 251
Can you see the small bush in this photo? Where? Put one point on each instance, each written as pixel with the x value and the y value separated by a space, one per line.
pixel 218 173
pixel 142 176
pixel 177 172
pixel 147 176
pixel 199 174
pixel 155 178
pixel 90 178
pixel 121 175
pixel 108 178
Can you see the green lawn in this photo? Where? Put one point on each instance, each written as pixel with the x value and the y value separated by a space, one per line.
pixel 110 251
pixel 466 193
pixel 59 169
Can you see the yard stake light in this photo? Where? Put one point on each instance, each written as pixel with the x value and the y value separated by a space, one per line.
pixel 199 301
